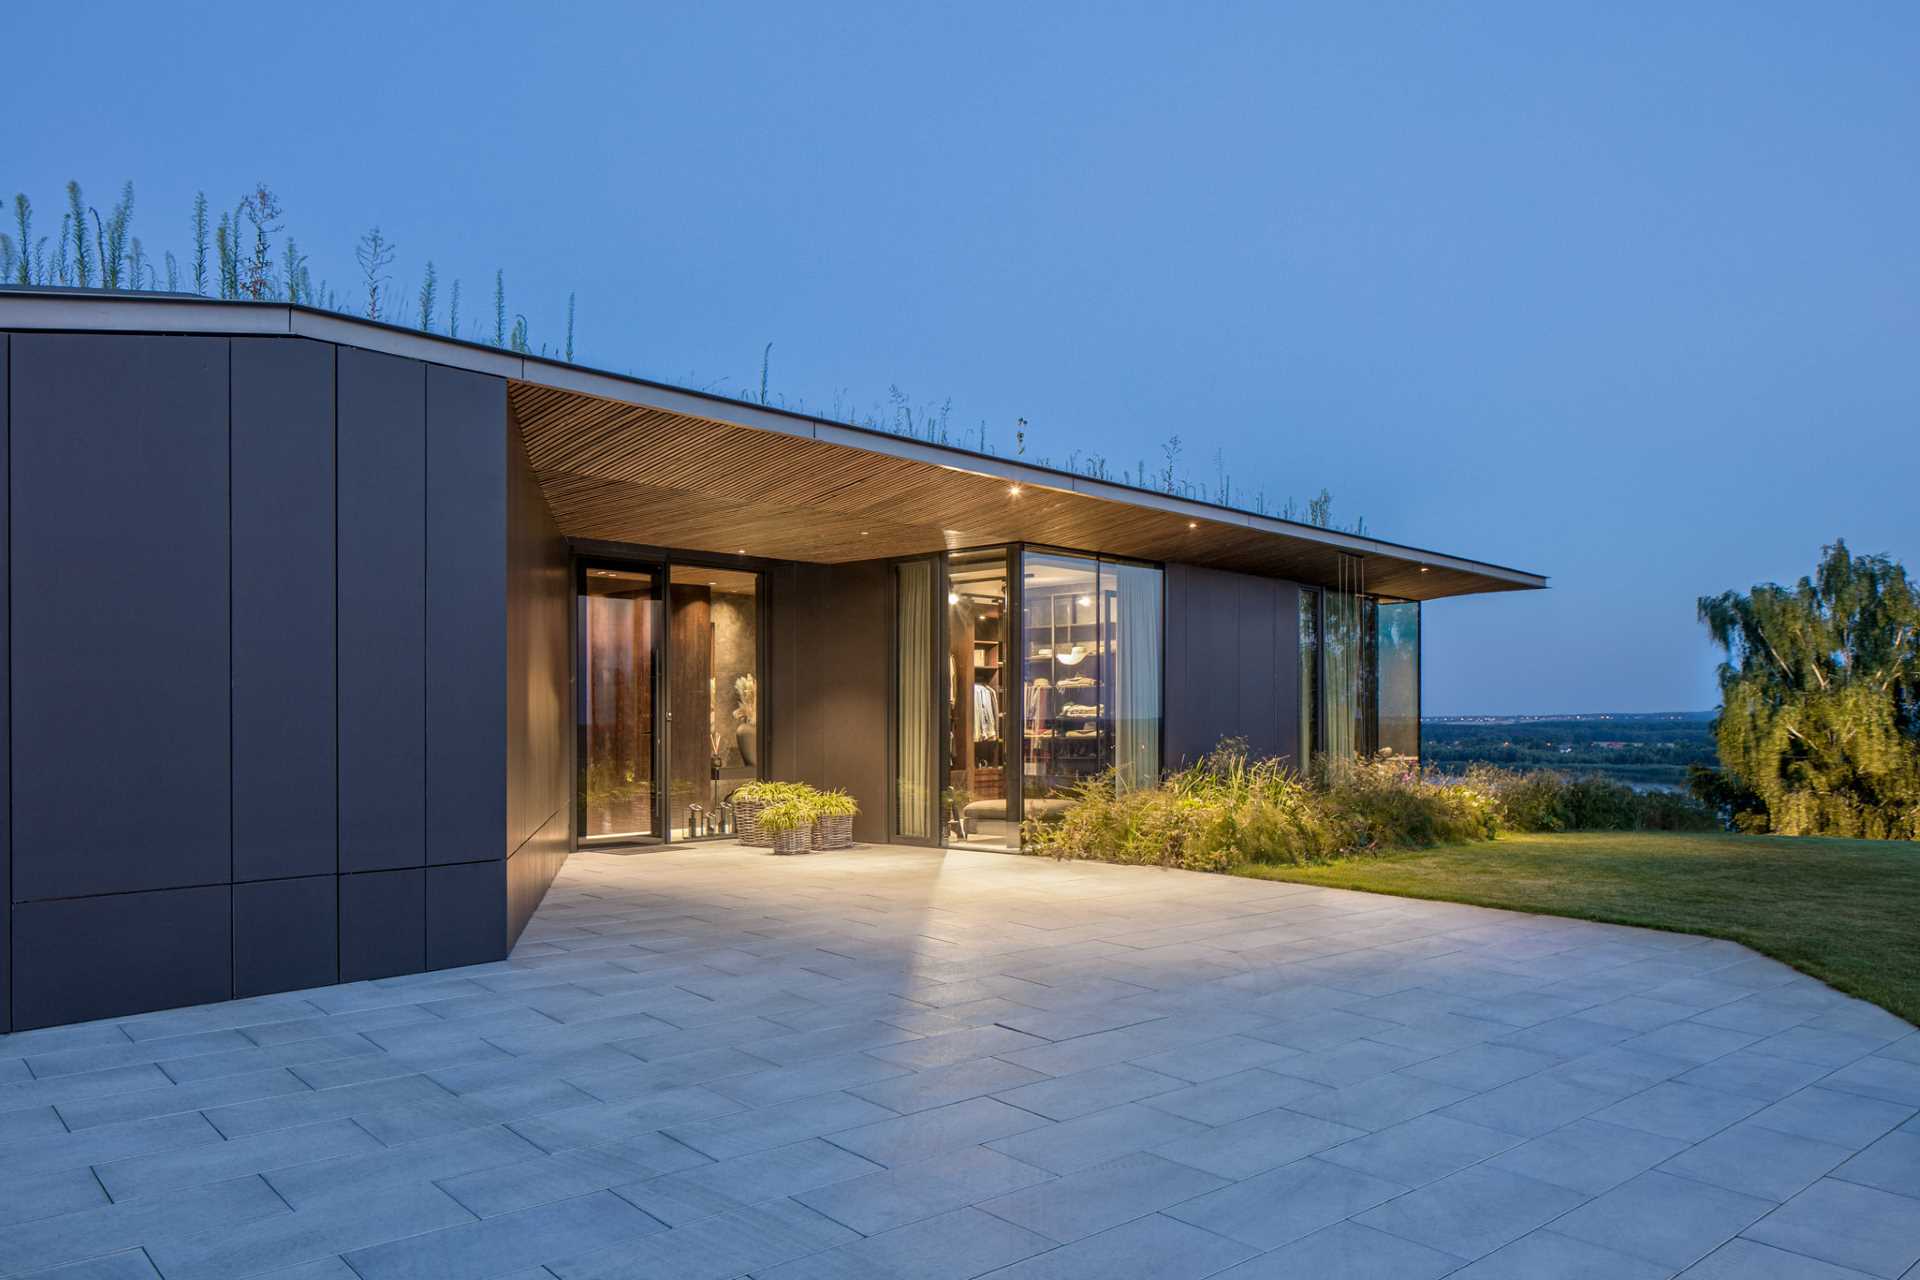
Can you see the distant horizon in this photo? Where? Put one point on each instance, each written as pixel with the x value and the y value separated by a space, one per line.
pixel 1576 715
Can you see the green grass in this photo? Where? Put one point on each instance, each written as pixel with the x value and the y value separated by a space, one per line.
pixel 1845 911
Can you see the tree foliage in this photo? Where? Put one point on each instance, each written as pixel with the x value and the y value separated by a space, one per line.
pixel 1820 698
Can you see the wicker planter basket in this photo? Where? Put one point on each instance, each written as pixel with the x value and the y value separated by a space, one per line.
pixel 746 823
pixel 833 831
pixel 794 841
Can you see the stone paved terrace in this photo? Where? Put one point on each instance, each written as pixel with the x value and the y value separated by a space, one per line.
pixel 711 1062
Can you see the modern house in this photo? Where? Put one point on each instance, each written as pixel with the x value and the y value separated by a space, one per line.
pixel 326 641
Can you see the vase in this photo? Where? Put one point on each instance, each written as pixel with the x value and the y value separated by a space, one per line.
pixel 744 738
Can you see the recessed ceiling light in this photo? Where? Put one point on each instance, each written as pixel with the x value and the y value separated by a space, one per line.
pixel 1423 568
pixel 863 533
pixel 1193 524
pixel 1014 489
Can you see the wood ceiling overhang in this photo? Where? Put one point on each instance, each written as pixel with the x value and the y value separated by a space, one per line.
pixel 791 488
pixel 626 460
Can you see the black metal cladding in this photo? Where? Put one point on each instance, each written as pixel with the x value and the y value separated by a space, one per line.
pixel 383 611
pixel 1232 663
pixel 284 786
pixel 257 670
pixel 121 672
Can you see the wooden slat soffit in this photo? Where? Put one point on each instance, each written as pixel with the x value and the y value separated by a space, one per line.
pixel 630 473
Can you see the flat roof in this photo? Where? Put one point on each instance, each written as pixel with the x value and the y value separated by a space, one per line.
pixel 629 459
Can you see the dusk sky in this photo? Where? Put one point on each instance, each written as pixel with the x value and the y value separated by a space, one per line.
pixel 1628 295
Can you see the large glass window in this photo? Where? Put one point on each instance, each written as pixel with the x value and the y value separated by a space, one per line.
pixel 1091 670
pixel 1398 681
pixel 977 802
pixel 1068 728
pixel 1343 695
pixel 619 614
pixel 916 742
pixel 1132 594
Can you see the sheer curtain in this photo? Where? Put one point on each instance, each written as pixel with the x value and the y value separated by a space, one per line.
pixel 1345 691
pixel 1135 646
pixel 914 749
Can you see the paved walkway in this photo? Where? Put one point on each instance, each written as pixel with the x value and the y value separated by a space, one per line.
pixel 713 1063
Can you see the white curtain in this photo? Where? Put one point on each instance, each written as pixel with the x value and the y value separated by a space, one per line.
pixel 1344 666
pixel 1136 666
pixel 914 686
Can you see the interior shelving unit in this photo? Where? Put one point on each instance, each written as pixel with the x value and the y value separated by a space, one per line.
pixel 1069 726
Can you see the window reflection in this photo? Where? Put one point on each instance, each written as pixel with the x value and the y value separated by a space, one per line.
pixel 1398 664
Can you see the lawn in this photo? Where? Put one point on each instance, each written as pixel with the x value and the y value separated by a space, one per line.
pixel 1845 911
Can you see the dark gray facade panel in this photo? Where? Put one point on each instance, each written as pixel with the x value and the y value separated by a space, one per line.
pixel 466 616
pixel 1256 698
pixel 383 924
pixel 126 953
pixel 284 814
pixel 285 935
pixel 831 682
pixel 118 504
pixel 6 719
pixel 1286 667
pixel 1232 662
pixel 466 913
pixel 382 612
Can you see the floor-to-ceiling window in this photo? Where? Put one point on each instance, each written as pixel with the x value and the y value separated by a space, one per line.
pixel 619 623
pixel 1091 646
pixel 979 803
pixel 1397 645
pixel 1132 595
pixel 1343 665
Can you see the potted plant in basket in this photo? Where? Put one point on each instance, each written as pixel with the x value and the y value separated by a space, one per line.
pixel 786 826
pixel 833 814
pixel 750 799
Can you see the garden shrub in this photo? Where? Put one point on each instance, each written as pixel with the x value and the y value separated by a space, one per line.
pixel 1230 809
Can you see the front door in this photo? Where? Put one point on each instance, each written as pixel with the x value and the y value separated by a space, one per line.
pixel 619 626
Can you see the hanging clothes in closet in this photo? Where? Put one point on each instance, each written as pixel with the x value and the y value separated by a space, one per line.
pixel 986 713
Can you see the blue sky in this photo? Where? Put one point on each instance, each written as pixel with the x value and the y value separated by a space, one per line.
pixel 1624 294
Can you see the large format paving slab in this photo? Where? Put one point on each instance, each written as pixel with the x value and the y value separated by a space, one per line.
pixel 711 1062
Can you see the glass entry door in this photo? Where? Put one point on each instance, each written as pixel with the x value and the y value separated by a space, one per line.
pixel 669 699
pixel 982 793
pixel 619 621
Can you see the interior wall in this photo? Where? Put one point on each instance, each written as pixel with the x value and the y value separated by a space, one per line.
pixel 1232 663
pixel 689 701
pixel 831 672
pixel 254 669
pixel 539 595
